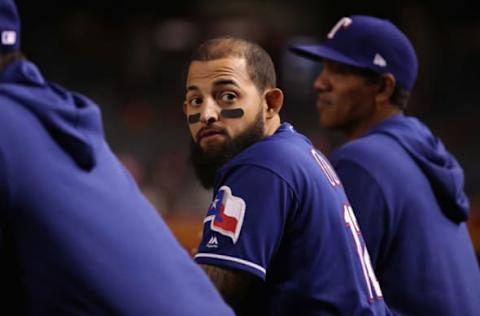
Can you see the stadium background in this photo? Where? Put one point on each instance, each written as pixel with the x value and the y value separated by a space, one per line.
pixel 131 57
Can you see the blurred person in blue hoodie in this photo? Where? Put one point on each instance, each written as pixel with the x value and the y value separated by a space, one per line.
pixel 76 235
pixel 405 188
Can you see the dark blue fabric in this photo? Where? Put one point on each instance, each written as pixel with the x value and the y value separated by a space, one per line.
pixel 9 27
pixel 293 233
pixel 77 235
pixel 407 193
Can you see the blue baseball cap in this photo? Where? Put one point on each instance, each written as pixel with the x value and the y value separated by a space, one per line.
pixel 9 27
pixel 367 42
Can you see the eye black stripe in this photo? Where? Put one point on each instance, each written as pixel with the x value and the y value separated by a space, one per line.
pixel 232 113
pixel 194 118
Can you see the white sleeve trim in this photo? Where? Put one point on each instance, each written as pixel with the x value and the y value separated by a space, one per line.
pixel 209 218
pixel 233 259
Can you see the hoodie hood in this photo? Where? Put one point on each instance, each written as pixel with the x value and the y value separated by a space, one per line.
pixel 439 166
pixel 72 120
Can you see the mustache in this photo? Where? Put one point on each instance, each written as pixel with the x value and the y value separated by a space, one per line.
pixel 209 130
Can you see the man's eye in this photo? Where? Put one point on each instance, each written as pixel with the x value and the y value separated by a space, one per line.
pixel 228 97
pixel 195 102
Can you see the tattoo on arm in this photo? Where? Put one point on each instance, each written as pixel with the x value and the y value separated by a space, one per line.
pixel 232 284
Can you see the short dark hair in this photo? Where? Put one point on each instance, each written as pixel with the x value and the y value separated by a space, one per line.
pixel 400 95
pixel 260 66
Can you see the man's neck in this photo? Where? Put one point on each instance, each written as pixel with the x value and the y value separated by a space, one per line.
pixel 380 115
pixel 6 59
pixel 272 125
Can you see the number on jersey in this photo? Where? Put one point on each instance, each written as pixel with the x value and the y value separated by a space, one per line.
pixel 374 291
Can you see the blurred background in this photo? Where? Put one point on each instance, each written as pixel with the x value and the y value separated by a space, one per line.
pixel 131 57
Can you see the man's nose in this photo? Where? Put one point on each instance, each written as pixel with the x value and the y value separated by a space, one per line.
pixel 210 112
pixel 321 83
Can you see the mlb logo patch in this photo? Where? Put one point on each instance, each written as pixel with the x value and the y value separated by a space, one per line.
pixel 226 214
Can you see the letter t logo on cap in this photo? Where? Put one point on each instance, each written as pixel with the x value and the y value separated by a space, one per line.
pixel 343 22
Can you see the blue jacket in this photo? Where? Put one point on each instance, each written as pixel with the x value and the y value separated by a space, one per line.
pixel 77 237
pixel 280 214
pixel 407 192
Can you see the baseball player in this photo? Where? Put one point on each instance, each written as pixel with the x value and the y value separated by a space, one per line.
pixel 405 187
pixel 76 235
pixel 280 237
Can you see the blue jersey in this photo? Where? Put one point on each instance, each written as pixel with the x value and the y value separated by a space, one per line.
pixel 280 213
pixel 77 237
pixel 407 193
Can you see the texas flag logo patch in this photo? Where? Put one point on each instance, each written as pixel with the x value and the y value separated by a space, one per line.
pixel 226 213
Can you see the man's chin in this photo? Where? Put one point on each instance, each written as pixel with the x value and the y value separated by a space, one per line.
pixel 212 149
pixel 207 159
pixel 328 122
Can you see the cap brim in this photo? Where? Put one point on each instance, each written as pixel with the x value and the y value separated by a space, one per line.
pixel 320 52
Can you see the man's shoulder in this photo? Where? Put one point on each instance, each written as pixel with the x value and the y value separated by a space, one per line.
pixel 367 149
pixel 378 155
pixel 282 157
pixel 10 112
pixel 277 151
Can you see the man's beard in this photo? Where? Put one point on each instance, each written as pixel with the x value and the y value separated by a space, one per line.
pixel 207 164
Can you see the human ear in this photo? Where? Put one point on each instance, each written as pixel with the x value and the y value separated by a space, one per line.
pixel 386 88
pixel 274 101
